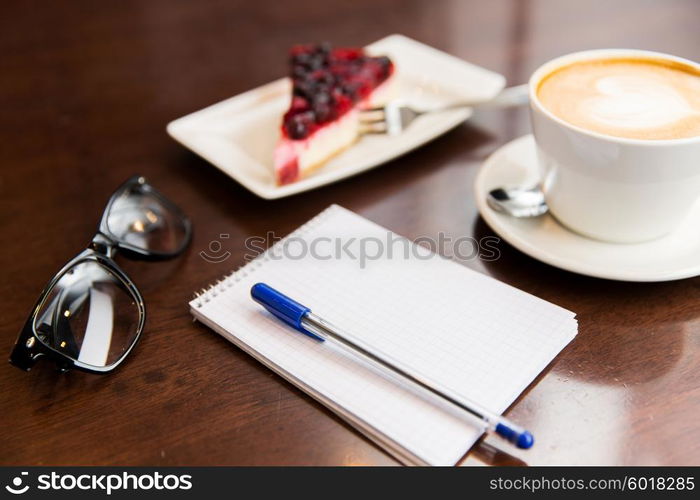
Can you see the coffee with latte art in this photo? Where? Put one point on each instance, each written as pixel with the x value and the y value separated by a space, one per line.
pixel 633 98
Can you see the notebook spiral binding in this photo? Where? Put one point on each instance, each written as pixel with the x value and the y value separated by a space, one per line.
pixel 228 280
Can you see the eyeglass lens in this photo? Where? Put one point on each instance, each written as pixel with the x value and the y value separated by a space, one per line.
pixel 144 220
pixel 89 315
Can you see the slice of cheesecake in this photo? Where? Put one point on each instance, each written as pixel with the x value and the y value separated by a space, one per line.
pixel 330 86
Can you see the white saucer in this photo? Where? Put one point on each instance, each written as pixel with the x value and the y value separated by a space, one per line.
pixel 672 257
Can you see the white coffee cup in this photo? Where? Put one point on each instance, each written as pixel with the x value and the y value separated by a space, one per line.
pixel 613 188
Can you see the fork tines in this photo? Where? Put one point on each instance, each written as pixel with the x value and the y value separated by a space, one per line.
pixel 373 121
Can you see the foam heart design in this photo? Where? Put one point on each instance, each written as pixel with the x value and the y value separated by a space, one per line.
pixel 632 101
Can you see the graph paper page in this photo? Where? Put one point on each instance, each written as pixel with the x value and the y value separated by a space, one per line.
pixel 466 331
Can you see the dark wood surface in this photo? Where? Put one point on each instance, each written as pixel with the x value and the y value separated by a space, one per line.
pixel 86 89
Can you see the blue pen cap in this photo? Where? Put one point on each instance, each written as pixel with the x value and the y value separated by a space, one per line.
pixel 519 437
pixel 286 309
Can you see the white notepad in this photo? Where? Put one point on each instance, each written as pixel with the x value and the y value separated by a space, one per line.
pixel 470 333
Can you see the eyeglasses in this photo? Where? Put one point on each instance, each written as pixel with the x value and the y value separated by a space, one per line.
pixel 91 315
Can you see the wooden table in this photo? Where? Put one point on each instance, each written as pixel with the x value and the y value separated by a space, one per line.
pixel 86 91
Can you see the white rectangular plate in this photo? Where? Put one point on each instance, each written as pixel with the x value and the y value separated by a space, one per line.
pixel 238 135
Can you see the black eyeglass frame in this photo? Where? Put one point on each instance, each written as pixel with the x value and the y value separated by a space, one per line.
pixel 102 249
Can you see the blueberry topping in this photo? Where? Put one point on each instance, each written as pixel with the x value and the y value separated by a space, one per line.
pixel 323 107
pixel 327 82
pixel 299 125
pixel 304 88
pixel 323 97
pixel 385 65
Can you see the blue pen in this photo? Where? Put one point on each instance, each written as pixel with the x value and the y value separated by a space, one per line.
pixel 302 319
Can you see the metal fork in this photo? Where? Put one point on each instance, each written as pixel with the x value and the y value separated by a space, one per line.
pixel 393 118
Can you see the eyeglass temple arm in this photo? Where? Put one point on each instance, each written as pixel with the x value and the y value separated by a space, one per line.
pixel 27 349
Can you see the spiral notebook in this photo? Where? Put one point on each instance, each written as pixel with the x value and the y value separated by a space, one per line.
pixel 470 333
